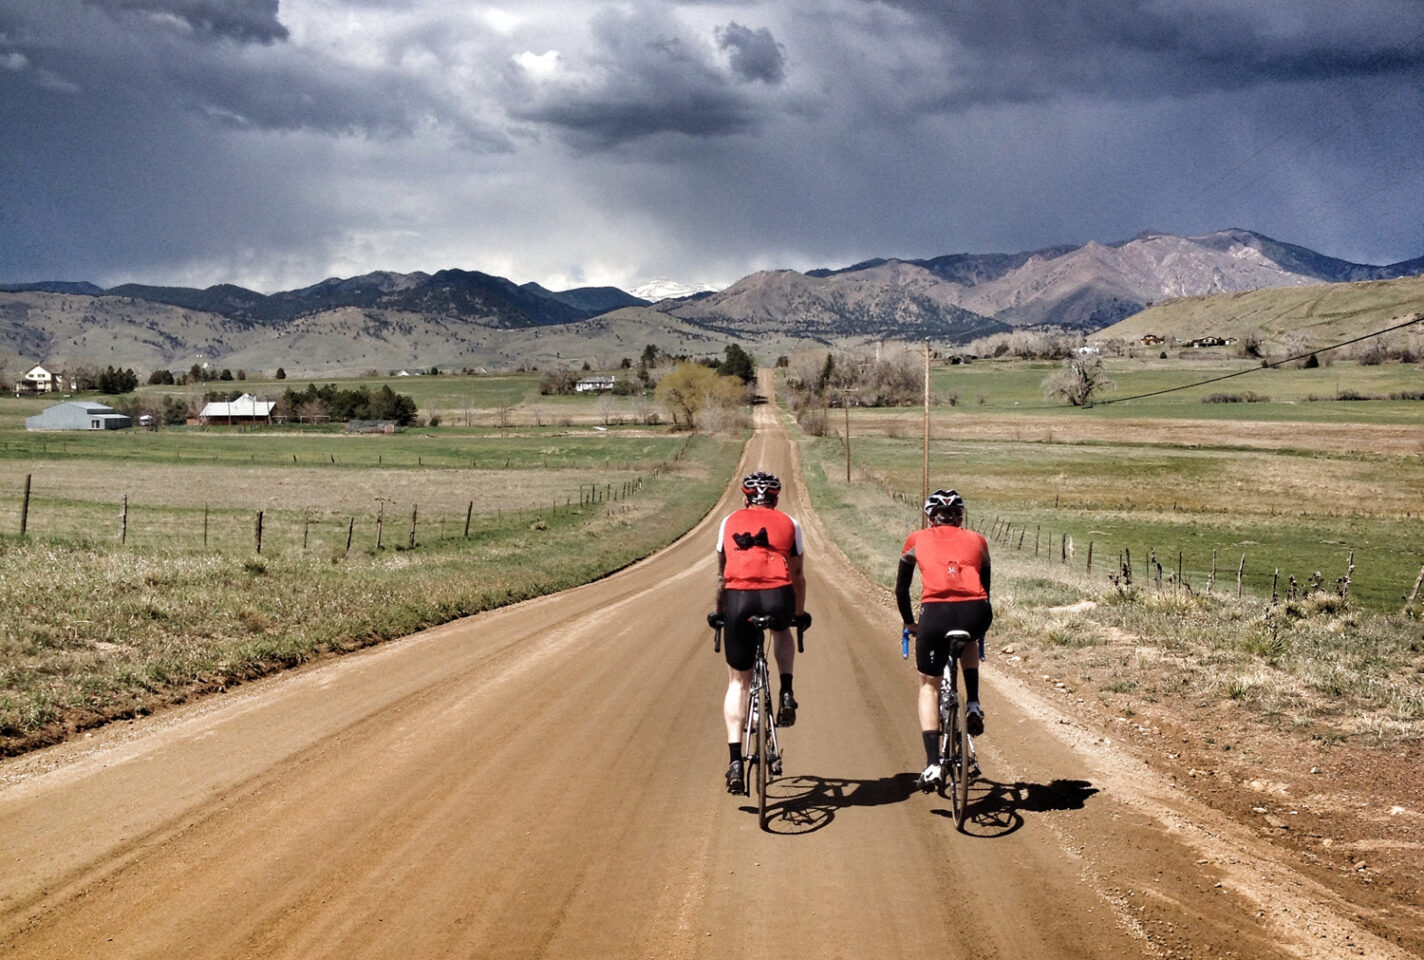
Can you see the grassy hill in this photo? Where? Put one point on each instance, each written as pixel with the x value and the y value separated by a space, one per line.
pixel 1292 319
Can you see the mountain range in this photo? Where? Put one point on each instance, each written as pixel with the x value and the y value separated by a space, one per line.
pixel 466 319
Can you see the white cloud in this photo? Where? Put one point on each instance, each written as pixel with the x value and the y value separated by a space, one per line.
pixel 540 66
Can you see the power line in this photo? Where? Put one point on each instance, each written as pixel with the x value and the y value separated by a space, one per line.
pixel 1264 366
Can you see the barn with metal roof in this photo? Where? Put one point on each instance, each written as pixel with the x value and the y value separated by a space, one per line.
pixel 78 415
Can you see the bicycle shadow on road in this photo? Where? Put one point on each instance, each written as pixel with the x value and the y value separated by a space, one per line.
pixel 805 804
pixel 997 809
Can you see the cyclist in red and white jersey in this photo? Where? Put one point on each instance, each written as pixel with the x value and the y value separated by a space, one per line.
pixel 954 573
pixel 759 571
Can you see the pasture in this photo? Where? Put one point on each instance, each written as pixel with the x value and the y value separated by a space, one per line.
pixel 1298 489
pixel 141 580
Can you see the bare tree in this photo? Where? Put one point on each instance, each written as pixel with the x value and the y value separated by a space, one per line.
pixel 1080 378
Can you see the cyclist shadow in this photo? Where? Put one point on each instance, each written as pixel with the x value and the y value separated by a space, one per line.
pixel 805 804
pixel 997 809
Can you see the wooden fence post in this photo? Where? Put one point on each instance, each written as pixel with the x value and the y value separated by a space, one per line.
pixel 258 531
pixel 1240 572
pixel 205 526
pixel 380 524
pixel 124 522
pixel 469 512
pixel 1090 556
pixel 350 532
pixel 306 529
pixel 25 507
pixel 413 511
pixel 1415 592
pixel 1211 580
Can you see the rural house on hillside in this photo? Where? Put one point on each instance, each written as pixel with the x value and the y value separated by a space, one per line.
pixel 245 409
pixel 36 380
pixel 594 383
pixel 78 415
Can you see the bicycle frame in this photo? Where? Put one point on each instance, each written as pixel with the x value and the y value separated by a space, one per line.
pixel 956 746
pixel 759 743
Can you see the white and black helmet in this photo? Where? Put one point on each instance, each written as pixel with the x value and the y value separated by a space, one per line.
pixel 761 488
pixel 945 504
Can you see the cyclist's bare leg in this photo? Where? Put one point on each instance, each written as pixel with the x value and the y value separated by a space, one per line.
pixel 929 703
pixel 734 707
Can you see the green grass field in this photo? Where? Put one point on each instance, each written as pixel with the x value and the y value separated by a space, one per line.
pixel 138 581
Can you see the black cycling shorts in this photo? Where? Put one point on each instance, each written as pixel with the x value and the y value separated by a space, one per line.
pixel 937 619
pixel 740 638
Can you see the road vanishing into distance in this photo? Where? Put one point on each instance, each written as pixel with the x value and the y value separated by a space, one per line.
pixel 546 780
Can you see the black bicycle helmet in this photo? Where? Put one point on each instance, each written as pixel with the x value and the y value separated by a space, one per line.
pixel 944 505
pixel 761 488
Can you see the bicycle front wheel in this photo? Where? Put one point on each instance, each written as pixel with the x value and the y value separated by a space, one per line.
pixel 961 768
pixel 763 754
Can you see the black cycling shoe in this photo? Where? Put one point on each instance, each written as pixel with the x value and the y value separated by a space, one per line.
pixel 736 779
pixel 974 719
pixel 786 716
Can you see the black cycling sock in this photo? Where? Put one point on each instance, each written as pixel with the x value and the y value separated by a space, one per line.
pixel 735 749
pixel 931 745
pixel 786 683
pixel 971 685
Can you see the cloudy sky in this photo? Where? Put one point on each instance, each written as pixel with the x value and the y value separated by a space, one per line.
pixel 273 144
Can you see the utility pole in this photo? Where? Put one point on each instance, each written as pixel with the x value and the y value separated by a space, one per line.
pixel 925 484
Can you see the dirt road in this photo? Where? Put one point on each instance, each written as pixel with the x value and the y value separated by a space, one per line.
pixel 546 781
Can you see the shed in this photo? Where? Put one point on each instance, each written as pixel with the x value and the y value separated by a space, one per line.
pixel 595 383
pixel 78 415
pixel 245 409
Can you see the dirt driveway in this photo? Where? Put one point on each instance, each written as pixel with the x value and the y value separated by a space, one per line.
pixel 545 781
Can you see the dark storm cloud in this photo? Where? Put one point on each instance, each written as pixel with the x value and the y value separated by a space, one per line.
pixel 997 51
pixel 243 20
pixel 646 75
pixel 755 54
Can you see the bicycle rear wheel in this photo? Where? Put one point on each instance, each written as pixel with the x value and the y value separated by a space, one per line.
pixel 762 754
pixel 960 801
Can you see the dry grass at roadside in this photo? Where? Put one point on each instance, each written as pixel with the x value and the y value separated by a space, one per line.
pixel 93 631
pixel 1316 666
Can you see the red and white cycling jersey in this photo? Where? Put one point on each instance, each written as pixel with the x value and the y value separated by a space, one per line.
pixel 950 559
pixel 756 542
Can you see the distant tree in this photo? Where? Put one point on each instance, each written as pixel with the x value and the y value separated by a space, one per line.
pixel 281 373
pixel 242 374
pixel 1078 380
pixel 115 382
pixel 196 373
pixel 738 363
pixel 693 388
pixel 226 375
pixel 625 364
pixel 559 381
pixel 161 377
pixel 435 371
pixel 827 371
pixel 175 411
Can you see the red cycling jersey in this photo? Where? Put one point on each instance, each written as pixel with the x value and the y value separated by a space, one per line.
pixel 756 542
pixel 950 559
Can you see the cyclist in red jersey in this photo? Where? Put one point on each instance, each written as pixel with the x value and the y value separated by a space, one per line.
pixel 759 571
pixel 954 573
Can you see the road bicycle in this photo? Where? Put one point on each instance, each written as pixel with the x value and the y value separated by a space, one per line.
pixel 956 746
pixel 761 753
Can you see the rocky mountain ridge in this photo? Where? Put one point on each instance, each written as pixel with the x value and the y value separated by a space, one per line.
pixel 457 318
